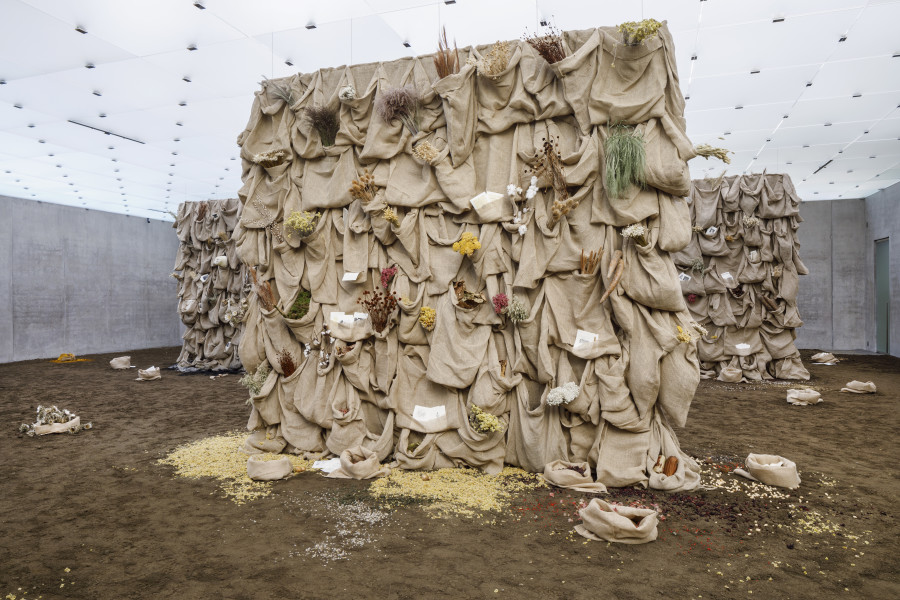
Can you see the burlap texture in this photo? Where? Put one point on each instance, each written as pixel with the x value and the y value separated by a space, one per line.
pixel 773 470
pixel 614 523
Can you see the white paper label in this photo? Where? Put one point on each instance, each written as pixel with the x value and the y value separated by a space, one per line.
pixel 754 255
pixel 332 464
pixel 423 414
pixel 726 276
pixel 712 230
pixel 360 316
pixel 350 277
pixel 742 346
pixel 684 277
pixel 584 338
pixel 342 318
pixel 484 198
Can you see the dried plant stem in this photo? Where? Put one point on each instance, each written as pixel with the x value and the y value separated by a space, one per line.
pixel 626 160
pixel 590 262
pixel 617 276
pixel 264 291
pixel 446 61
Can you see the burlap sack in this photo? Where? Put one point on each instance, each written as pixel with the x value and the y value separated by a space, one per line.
pixel 121 362
pixel 773 470
pixel 264 440
pixel 421 404
pixel 66 427
pixel 664 443
pixel 535 436
pixel 622 458
pixel 573 476
pixel 359 463
pixel 731 375
pixel 859 387
pixel 268 470
pixel 458 344
pixel 803 397
pixel 622 524
pixel 650 278
pixel 149 374
pixel 823 358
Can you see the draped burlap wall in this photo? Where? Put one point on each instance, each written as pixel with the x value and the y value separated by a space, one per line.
pixel 408 393
pixel 740 275
pixel 212 285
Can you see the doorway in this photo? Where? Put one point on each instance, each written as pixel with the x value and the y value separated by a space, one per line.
pixel 882 296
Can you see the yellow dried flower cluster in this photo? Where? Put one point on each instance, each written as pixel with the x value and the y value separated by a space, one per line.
pixel 303 223
pixel 220 457
pixel 495 61
pixel 457 491
pixel 484 422
pixel 270 159
pixel 425 152
pixel 467 244
pixel 426 317
pixel 635 32
pixel 390 216
pixel 683 336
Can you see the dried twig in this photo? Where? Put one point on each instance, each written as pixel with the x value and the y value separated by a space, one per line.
pixel 548 166
pixel 549 45
pixel 264 291
pixel 446 61
pixel 590 262
pixel 617 276
pixel 379 306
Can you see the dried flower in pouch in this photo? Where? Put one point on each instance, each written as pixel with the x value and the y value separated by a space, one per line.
pixel 636 232
pixel 750 221
pixel 424 151
pixel 549 45
pixel 563 394
pixel 467 244
pixel 347 93
pixel 399 103
pixel 626 160
pixel 300 306
pixel 465 298
pixel 635 32
pixel 516 311
pixel 379 306
pixel 705 150
pixel 270 158
pixel 446 61
pixel 286 362
pixel 387 276
pixel 495 61
pixel 325 121
pixel 254 382
pixel 549 166
pixel 282 92
pixel 683 336
pixel 390 216
pixel 426 318
pixel 500 302
pixel 264 291
pixel 301 223
pixel 364 188
pixel 483 421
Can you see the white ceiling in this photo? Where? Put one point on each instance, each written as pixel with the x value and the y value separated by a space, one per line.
pixel 814 99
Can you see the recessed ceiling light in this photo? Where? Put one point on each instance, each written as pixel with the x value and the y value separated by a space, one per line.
pixel 894 55
pixel 192 47
pixel 407 44
pixel 42 141
pixel 110 147
pixel 199 5
pixel 449 1
pixel 174 154
pixel 2 82
pixel 97 93
pixel 310 25
pixel 31 125
pixel 856 95
pixel 693 57
pixel 873 156
pixel 176 140
pixel 809 84
pixel 778 20
pixel 738 107
pixel 806 145
pixel 289 63
pixel 182 103
pixel 827 124
pixel 102 115
pixel 80 29
pixel 784 117
pixel 843 38
pixel 17 105
pixel 687 97
pixel 179 123
pixel 754 72
pixel 186 78
pixel 89 65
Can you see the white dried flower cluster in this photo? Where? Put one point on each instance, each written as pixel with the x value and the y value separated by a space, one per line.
pixel 523 229
pixel 532 190
pixel 750 221
pixel 48 415
pixel 514 192
pixel 348 92
pixel 634 231
pixel 235 313
pixel 563 394
pixel 323 342
pixel 516 311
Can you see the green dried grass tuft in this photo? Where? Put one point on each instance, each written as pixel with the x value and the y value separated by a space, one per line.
pixel 626 160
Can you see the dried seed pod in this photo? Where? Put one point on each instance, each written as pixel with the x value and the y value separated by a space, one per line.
pixel 660 462
pixel 617 276
pixel 671 466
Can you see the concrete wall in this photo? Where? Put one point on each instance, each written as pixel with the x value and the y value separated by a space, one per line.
pixel 83 281
pixel 883 215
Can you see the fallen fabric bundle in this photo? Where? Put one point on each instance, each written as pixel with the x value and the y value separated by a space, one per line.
pixel 259 469
pixel 359 463
pixel 574 476
pixel 803 397
pixel 859 387
pixel 621 524
pixel 148 374
pixel 773 470
pixel 121 362
pixel 823 358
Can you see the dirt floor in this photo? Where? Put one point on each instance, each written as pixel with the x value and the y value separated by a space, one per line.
pixel 94 516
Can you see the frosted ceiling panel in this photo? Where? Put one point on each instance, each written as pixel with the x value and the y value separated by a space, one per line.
pixel 373 40
pixel 723 13
pixel 866 108
pixel 867 76
pixel 886 129
pixel 753 118
pixel 784 84
pixel 817 134
pixel 281 15
pixel 865 149
pixel 328 45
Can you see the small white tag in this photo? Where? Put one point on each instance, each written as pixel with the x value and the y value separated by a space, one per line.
pixel 342 318
pixel 585 337
pixel 742 346
pixel 357 316
pixel 712 230
pixel 425 413
pixel 754 256
pixel 327 466
pixel 350 277
pixel 726 276
pixel 484 198
pixel 684 277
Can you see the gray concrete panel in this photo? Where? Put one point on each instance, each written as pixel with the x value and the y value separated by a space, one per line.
pixel 814 299
pixel 848 254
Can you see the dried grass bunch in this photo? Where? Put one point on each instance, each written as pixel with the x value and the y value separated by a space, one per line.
pixel 495 61
pixel 364 188
pixel 626 160
pixel 299 307
pixel 548 45
pixel 590 262
pixel 254 382
pixel 379 306
pixel 400 103
pixel 549 167
pixel 325 121
pixel 264 291
pixel 446 61
pixel 281 92
pixel 635 32
pixel 286 362
pixel 425 152
pixel 270 158
pixel 390 216
pixel 705 150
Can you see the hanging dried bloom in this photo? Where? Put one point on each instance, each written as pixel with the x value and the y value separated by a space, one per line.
pixel 636 232
pixel 549 45
pixel 691 298
pixel 635 32
pixel 347 93
pixel 500 302
pixel 424 151
pixel 387 275
pixel 301 223
pixel 495 61
pixel 286 362
pixel 750 221
pixel 379 306
pixel 467 244
pixel 483 421
pixel 271 158
pixel 325 121
pixel 399 103
pixel 516 311
pixel 705 150
pixel 390 216
pixel 514 192
pixel 254 382
pixel 446 61
pixel 683 336
pixel 427 316
pixel 522 230
pixel 364 188
pixel 563 394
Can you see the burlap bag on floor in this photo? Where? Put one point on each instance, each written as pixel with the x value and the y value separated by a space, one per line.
pixel 731 375
pixel 264 440
pixel 803 397
pixel 359 463
pixel 563 474
pixel 121 362
pixel 823 357
pixel 663 443
pixel 622 457
pixel 621 524
pixel 859 387
pixel 58 427
pixel 268 470
pixel 148 374
pixel 773 470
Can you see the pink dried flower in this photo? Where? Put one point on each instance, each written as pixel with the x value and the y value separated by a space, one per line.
pixel 692 298
pixel 500 302
pixel 387 275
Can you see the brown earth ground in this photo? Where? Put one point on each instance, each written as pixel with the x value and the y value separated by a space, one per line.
pixel 94 516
